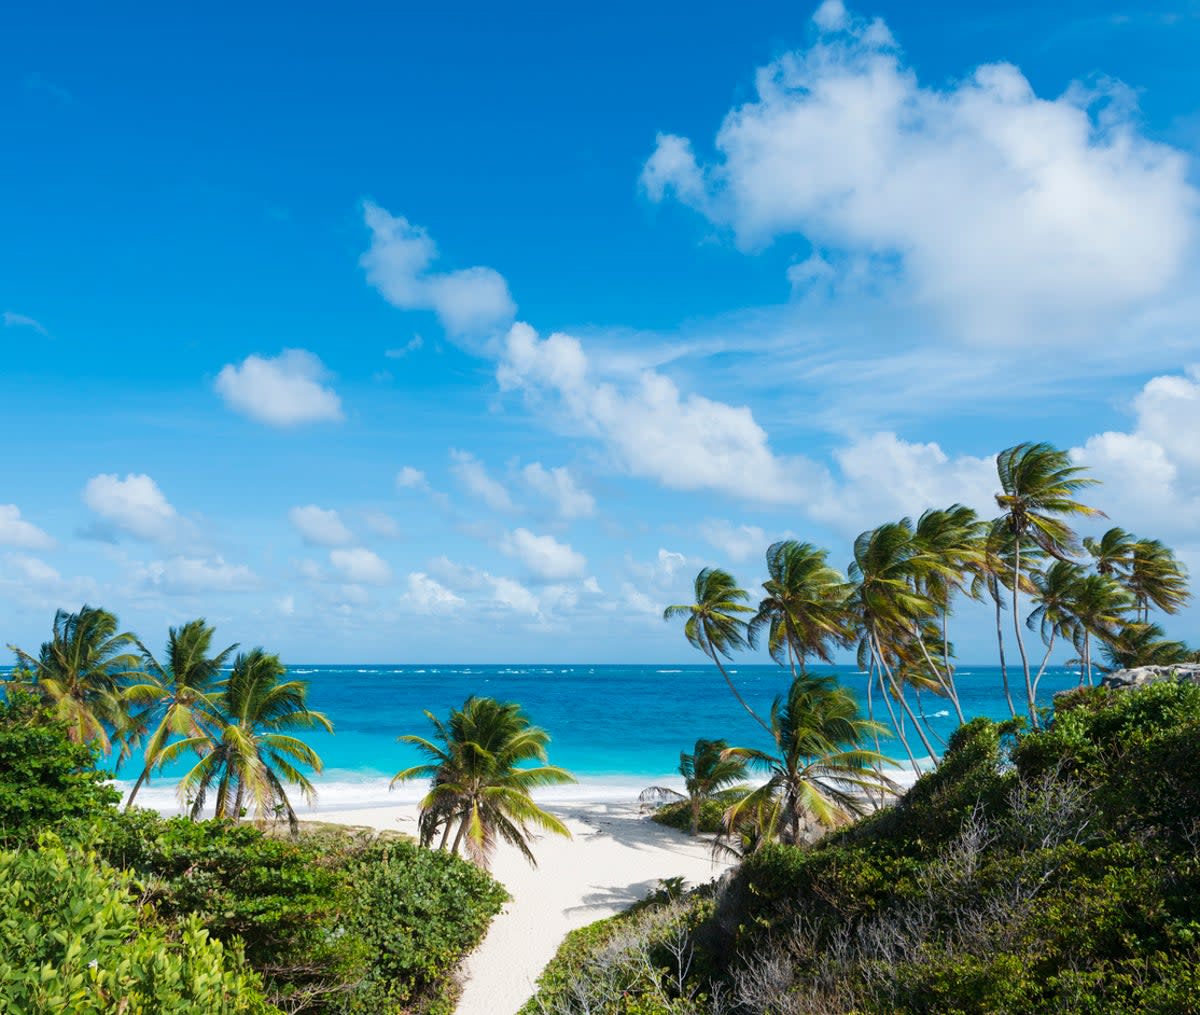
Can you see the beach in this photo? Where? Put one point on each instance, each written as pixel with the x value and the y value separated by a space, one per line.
pixel 616 855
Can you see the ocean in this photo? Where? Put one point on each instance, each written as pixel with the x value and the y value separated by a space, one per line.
pixel 617 728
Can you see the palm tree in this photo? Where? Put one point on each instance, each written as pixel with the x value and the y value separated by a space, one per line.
pixel 81 670
pixel 1156 577
pixel 249 756
pixel 820 772
pixel 949 540
pixel 1099 604
pixel 176 695
pixel 1112 553
pixel 1141 644
pixel 708 770
pixel 804 610
pixel 478 764
pixel 715 625
pixel 889 611
pixel 1038 486
pixel 1055 593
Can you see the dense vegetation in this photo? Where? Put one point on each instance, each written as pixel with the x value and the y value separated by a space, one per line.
pixel 1050 871
pixel 105 911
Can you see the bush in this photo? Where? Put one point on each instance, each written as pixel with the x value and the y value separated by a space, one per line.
pixel 419 912
pixel 46 780
pixel 74 938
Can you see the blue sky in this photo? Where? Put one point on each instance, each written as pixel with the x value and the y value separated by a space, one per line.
pixel 393 334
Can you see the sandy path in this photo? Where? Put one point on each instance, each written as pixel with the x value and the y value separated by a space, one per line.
pixel 616 856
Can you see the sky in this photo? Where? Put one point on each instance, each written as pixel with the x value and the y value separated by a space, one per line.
pixel 470 333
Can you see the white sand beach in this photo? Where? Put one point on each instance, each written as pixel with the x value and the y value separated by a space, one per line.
pixel 616 856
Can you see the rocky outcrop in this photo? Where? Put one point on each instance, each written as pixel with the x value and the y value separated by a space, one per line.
pixel 1140 676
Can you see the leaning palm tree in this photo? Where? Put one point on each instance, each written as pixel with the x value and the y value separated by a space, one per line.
pixel 1038 487
pixel 1112 553
pixel 250 754
pixel 1055 595
pixel 950 541
pixel 804 609
pixel 1099 604
pixel 820 772
pixel 715 623
pixel 889 611
pixel 81 672
pixel 1156 577
pixel 710 769
pixel 176 693
pixel 1140 644
pixel 479 765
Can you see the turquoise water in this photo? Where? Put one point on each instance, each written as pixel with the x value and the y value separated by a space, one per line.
pixel 606 722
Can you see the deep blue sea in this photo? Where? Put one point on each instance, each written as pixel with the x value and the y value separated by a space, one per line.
pixel 619 725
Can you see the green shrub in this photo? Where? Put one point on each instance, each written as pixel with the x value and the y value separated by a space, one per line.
pixel 73 938
pixel 46 780
pixel 419 912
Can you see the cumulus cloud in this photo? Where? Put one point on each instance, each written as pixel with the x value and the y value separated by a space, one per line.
pixel 320 526
pixel 1151 473
pixel 497 590
pixel 133 505
pixel 381 524
pixel 474 478
pixel 559 487
pixel 737 542
pixel 427 595
pixel 409 478
pixel 882 477
pixel 16 531
pixel 1015 217
pixel 544 556
pixel 471 301
pixel 360 565
pixel 285 391
pixel 186 575
pixel 686 442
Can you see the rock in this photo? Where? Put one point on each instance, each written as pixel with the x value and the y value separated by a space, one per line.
pixel 1140 676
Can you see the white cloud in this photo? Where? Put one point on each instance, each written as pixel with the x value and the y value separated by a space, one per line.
pixel 1151 473
pixel 320 526
pixel 33 570
pixel 286 606
pixel 361 565
pixel 412 345
pixel 737 542
pixel 512 594
pixel 558 486
pixel 16 531
pixel 1013 217
pixel 883 478
pixel 134 505
pixel 471 301
pixel 686 442
pixel 409 478
pixel 185 575
pixel 283 391
pixel 476 481
pixel 544 556
pixel 12 320
pixel 381 524
pixel 427 595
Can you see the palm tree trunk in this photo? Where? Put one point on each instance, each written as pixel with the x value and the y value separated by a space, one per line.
pixel 695 805
pixel 222 796
pixel 1045 659
pixel 462 830
pixel 925 719
pixel 1087 654
pixel 445 833
pixel 1016 585
pixel 141 779
pixel 943 681
pixel 237 801
pixel 897 725
pixel 741 700
pixel 951 686
pixel 1012 710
